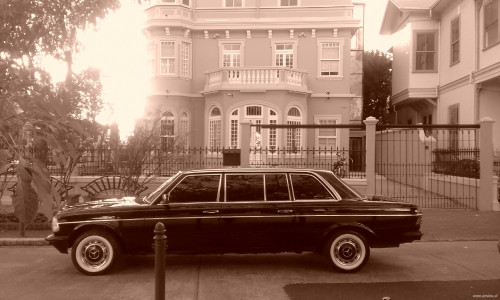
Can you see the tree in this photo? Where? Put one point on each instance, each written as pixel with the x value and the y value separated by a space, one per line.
pixel 377 77
pixel 31 121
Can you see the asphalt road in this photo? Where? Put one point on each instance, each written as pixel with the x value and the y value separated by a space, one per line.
pixel 422 270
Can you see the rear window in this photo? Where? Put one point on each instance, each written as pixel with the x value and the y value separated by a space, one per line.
pixel 344 191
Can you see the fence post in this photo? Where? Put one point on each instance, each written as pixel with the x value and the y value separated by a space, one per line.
pixel 370 123
pixel 245 144
pixel 160 246
pixel 486 184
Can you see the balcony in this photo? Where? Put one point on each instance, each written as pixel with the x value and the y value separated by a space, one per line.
pixel 256 79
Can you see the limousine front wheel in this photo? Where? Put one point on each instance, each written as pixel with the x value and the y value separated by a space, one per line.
pixel 347 251
pixel 94 252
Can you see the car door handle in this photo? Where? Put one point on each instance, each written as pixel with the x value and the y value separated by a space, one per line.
pixel 285 211
pixel 213 211
pixel 319 210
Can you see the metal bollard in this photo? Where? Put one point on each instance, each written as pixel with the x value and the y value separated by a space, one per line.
pixel 160 246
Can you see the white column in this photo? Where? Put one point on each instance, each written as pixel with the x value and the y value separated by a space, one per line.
pixel 245 144
pixel 370 123
pixel 487 196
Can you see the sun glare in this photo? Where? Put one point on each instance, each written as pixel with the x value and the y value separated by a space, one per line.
pixel 117 48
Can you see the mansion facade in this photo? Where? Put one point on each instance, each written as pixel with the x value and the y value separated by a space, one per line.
pixel 217 63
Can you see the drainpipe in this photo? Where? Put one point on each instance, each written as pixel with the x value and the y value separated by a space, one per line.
pixel 477 49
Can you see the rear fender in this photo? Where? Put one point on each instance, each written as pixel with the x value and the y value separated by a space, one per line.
pixel 358 227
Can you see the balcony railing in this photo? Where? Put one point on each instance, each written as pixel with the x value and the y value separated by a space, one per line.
pixel 276 78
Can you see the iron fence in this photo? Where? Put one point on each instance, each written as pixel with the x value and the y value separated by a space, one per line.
pixel 101 162
pixel 434 166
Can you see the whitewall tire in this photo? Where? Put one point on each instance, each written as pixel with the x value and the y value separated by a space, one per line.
pixel 347 251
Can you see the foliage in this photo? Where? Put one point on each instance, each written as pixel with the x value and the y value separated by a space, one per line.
pixel 377 76
pixel 141 159
pixel 32 27
pixel 35 116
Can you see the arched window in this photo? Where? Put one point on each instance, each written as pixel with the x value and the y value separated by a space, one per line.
pixel 167 133
pixel 234 128
pixel 293 135
pixel 214 129
pixel 184 129
pixel 253 113
pixel 273 134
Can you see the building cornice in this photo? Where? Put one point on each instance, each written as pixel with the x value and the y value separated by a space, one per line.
pixel 413 93
pixel 259 24
pixel 486 73
pixel 455 84
pixel 174 94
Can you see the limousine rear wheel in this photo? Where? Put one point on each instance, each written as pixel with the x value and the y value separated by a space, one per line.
pixel 95 252
pixel 347 251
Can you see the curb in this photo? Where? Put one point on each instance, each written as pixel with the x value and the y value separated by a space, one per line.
pixel 23 242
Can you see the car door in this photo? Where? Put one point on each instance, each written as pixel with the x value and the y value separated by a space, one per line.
pixel 315 207
pixel 257 212
pixel 190 213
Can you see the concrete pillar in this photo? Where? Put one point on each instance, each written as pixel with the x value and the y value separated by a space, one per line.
pixel 370 123
pixel 487 195
pixel 245 144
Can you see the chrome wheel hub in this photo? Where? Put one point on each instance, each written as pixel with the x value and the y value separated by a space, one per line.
pixel 94 254
pixel 347 252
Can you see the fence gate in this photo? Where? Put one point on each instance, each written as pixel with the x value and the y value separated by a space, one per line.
pixel 434 166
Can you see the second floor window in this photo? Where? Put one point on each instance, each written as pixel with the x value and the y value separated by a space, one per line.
pixel 284 55
pixel 330 59
pixel 491 23
pixel 289 2
pixel 425 52
pixel 234 3
pixel 231 55
pixel 185 67
pixel 167 58
pixel 455 41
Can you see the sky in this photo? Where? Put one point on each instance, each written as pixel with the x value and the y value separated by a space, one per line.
pixel 117 48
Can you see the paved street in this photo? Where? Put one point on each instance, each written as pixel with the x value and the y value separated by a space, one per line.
pixel 422 270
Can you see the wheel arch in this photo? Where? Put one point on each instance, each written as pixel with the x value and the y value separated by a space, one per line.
pixel 360 228
pixel 109 228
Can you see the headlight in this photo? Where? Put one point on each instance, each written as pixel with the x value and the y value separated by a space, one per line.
pixel 55 225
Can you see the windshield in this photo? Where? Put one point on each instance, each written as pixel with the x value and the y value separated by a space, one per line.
pixel 151 197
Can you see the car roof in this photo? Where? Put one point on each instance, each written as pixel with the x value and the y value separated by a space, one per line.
pixel 251 170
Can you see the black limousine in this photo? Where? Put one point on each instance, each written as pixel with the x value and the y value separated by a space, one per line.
pixel 237 211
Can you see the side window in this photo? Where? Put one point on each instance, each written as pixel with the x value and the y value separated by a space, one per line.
pixel 198 188
pixel 276 187
pixel 244 188
pixel 307 187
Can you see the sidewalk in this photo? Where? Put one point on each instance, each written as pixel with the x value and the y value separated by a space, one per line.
pixel 438 225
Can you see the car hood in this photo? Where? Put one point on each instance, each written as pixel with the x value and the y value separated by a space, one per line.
pixel 103 204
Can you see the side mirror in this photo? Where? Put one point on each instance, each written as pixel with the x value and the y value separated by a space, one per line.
pixel 164 198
